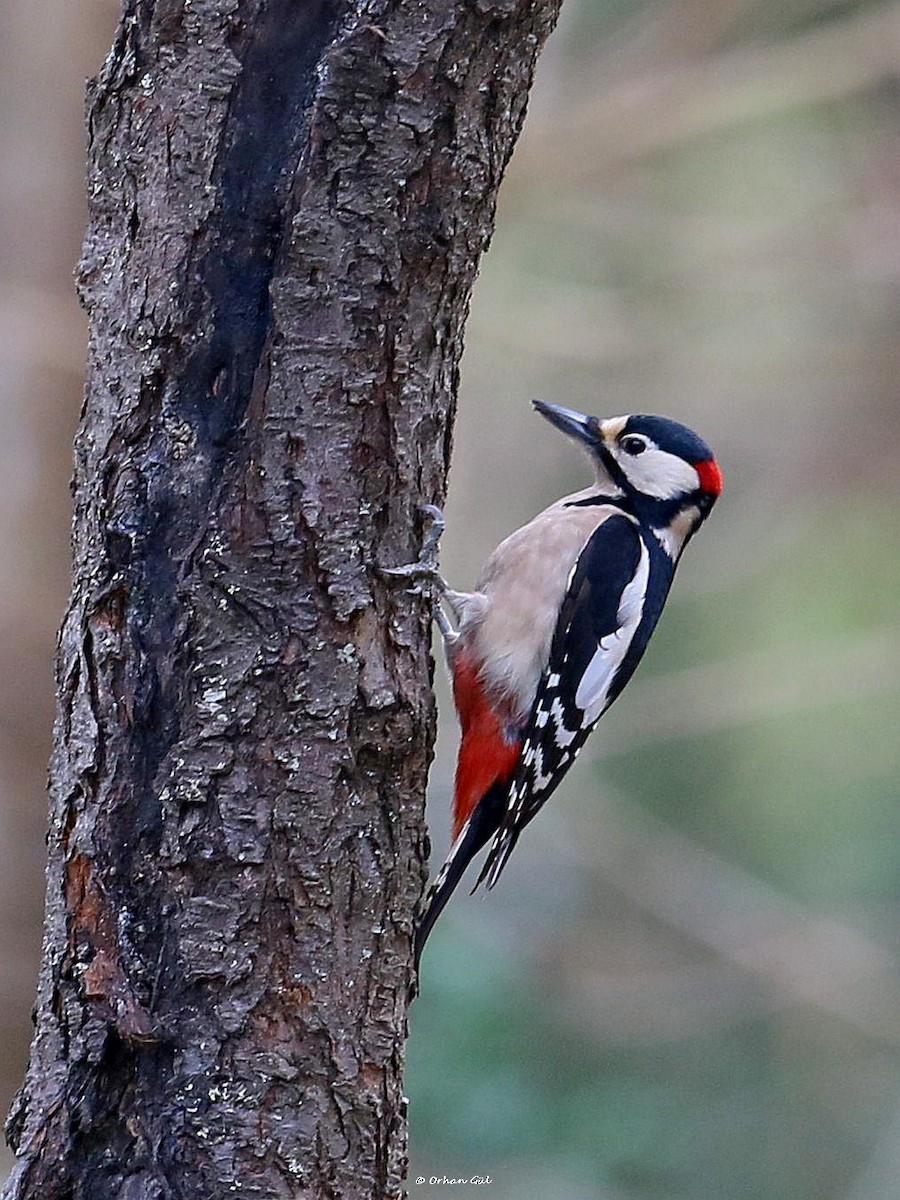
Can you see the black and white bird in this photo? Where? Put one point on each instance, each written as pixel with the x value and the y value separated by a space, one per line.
pixel 557 623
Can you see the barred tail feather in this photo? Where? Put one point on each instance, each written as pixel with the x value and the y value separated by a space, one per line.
pixel 498 856
pixel 481 825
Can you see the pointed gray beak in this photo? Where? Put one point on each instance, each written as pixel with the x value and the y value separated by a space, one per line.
pixel 582 428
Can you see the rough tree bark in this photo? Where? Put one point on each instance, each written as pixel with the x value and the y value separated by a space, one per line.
pixel 288 204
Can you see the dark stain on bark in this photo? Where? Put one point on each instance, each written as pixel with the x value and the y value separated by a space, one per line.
pixel 232 261
pixel 264 135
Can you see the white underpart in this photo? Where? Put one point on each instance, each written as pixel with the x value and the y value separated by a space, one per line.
pixel 659 474
pixel 593 689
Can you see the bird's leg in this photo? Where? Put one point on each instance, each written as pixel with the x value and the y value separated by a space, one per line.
pixel 425 571
pixel 449 632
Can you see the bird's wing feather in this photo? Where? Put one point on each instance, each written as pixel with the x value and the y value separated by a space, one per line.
pixel 597 623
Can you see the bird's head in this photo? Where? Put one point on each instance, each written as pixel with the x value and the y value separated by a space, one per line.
pixel 662 469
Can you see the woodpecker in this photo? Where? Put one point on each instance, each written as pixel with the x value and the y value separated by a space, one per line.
pixel 557 623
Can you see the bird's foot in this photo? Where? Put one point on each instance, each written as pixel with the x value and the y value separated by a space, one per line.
pixel 423 575
pixel 425 569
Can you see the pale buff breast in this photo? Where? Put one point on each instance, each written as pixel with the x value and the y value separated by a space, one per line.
pixel 523 585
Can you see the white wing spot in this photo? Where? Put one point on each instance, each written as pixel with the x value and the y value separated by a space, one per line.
pixel 562 733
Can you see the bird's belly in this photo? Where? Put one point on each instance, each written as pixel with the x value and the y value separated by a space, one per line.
pixel 525 582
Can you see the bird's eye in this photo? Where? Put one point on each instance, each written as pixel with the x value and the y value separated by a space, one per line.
pixel 633 445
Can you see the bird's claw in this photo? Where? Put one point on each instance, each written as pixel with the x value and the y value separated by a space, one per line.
pixel 425 569
pixel 434 529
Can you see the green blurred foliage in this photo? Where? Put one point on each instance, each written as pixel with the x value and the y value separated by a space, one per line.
pixel 686 987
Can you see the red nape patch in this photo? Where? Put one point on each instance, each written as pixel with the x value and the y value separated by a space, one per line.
pixel 486 756
pixel 710 477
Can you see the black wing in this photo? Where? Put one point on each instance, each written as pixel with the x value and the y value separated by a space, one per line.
pixel 596 645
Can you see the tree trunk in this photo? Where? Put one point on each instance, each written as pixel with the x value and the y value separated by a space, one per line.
pixel 288 204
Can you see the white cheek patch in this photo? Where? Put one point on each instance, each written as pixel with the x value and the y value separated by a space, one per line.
pixel 659 474
pixel 594 685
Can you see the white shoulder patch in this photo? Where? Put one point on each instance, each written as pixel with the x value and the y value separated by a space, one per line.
pixel 594 685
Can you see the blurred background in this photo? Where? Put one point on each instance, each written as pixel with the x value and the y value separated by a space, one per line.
pixel 687 984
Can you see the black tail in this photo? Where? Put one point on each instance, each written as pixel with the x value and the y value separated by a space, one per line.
pixel 499 853
pixel 483 824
